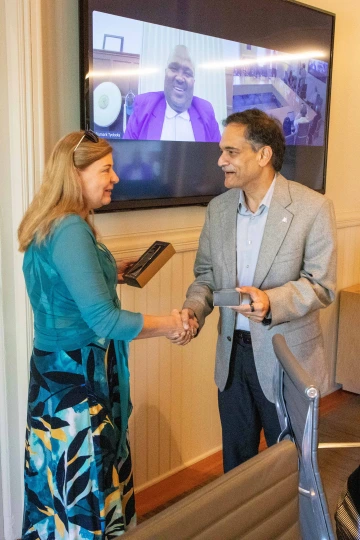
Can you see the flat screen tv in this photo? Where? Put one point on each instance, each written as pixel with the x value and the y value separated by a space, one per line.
pixel 158 78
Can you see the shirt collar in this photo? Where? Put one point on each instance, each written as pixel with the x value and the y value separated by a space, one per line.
pixel 170 113
pixel 265 203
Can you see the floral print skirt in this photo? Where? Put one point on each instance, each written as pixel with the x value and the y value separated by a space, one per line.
pixel 75 487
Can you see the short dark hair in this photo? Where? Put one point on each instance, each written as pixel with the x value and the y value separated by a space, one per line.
pixel 261 130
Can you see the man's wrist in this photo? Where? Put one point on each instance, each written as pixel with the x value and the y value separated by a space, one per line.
pixel 191 312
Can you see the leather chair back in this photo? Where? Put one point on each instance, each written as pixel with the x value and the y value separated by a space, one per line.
pixel 256 501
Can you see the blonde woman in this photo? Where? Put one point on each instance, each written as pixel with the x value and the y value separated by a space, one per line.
pixel 78 474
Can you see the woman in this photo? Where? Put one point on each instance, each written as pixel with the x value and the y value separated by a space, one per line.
pixel 78 475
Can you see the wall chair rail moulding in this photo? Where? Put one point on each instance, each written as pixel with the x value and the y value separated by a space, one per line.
pixel 186 239
pixel 347 219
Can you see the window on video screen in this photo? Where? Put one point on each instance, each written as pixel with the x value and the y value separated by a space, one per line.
pixel 143 90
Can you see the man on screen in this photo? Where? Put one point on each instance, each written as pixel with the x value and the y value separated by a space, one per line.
pixel 174 114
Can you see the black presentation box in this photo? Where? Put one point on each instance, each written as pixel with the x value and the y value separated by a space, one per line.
pixel 149 264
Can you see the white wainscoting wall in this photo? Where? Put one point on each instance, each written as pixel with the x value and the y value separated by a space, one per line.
pixel 175 421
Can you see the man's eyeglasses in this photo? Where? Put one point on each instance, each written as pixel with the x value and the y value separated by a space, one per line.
pixel 90 136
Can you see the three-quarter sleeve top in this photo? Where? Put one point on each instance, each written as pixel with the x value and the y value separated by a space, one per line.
pixel 71 281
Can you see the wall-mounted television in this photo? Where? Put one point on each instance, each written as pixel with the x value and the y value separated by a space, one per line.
pixel 158 78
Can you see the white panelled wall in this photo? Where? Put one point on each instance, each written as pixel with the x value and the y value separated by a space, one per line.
pixel 175 419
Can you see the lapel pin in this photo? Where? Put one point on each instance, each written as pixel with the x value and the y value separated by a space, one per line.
pixel 284 220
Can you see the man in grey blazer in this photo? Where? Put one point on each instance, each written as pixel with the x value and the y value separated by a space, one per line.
pixel 274 240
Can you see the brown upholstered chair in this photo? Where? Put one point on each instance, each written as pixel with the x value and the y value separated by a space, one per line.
pixel 256 501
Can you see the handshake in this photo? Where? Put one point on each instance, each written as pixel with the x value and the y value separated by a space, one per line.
pixel 184 326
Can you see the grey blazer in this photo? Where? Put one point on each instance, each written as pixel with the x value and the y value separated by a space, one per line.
pixel 296 267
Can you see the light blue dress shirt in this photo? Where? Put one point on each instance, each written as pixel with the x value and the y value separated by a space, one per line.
pixel 249 234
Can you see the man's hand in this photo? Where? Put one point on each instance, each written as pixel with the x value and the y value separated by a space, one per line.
pixel 124 266
pixel 190 325
pixel 190 321
pixel 258 307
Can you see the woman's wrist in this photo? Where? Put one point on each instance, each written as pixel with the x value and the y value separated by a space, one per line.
pixel 157 326
pixel 176 328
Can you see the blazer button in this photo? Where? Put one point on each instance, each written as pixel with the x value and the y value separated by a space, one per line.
pixel 229 338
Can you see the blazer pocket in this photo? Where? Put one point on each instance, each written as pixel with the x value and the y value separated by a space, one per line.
pixel 302 334
pixel 288 256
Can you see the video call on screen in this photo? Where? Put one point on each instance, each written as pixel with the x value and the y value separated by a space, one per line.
pixel 155 91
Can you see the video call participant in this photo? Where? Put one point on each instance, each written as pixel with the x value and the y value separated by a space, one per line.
pixel 78 473
pixel 302 76
pixel 315 125
pixel 301 117
pixel 275 240
pixel 174 114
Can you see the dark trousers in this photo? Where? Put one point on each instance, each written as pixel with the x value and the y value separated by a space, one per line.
pixel 244 409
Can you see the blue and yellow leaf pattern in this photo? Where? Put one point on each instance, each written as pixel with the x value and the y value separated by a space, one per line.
pixel 75 485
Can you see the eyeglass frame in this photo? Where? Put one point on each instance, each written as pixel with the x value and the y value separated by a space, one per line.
pixel 88 134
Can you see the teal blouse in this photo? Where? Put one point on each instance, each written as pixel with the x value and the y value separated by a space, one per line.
pixel 71 282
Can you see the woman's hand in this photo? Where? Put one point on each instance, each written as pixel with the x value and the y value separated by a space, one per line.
pixel 190 327
pixel 175 327
pixel 123 266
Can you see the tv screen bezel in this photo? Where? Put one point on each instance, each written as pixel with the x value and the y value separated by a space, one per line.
pixel 201 200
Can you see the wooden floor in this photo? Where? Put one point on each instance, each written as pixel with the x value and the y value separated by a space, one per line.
pixel 339 421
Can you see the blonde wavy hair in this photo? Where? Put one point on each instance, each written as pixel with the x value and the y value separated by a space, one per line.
pixel 60 193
